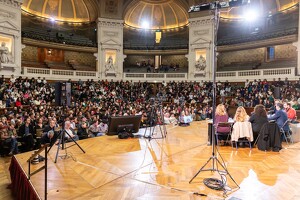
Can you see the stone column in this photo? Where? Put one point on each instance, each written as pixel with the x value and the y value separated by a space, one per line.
pixel 10 37
pixel 200 48
pixel 110 48
pixel 157 61
pixel 297 45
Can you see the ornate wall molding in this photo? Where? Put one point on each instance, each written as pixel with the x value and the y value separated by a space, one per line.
pixel 39 43
pixel 196 22
pixel 259 43
pixel 7 14
pixel 201 32
pixel 12 3
pixel 110 33
pixel 9 28
pixel 110 23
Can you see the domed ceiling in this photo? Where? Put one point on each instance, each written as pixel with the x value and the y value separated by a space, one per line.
pixel 156 14
pixel 62 10
pixel 261 7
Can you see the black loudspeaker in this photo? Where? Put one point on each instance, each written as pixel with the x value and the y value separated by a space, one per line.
pixel 68 94
pixel 277 93
pixel 58 94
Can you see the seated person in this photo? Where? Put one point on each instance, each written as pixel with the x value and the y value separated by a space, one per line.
pixel 82 131
pixel 280 118
pixel 26 131
pixel 258 119
pixel 96 130
pixel 291 112
pixel 170 118
pixel 242 127
pixel 9 138
pixel 185 118
pixel 221 116
pixel 69 133
pixel 50 133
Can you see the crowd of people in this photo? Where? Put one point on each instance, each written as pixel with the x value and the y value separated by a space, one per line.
pixel 250 127
pixel 31 117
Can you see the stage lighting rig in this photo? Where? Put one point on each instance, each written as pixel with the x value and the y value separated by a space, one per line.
pixel 219 5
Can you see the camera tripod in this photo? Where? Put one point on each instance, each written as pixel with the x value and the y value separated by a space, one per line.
pixel 62 142
pixel 156 115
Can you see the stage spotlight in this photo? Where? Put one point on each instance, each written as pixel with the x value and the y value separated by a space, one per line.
pixel 52 19
pixel 250 15
pixel 145 24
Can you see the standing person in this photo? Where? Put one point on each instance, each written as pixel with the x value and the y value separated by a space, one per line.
pixel 258 119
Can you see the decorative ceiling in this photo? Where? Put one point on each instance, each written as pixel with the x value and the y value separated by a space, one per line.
pixel 156 14
pixel 62 10
pixel 261 7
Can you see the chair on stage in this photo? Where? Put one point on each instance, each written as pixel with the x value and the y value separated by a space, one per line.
pixel 242 132
pixel 269 137
pixel 287 134
pixel 223 129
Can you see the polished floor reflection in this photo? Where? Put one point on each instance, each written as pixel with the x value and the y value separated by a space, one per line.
pixel 161 169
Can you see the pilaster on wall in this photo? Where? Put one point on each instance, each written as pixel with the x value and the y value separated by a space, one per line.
pixel 200 44
pixel 297 45
pixel 110 45
pixel 10 36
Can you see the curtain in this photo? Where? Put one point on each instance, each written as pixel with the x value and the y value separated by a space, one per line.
pixel 20 185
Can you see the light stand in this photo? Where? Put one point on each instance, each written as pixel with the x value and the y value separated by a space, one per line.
pixel 62 142
pixel 216 163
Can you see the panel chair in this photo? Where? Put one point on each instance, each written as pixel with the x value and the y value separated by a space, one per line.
pixel 242 130
pixel 287 134
pixel 224 125
pixel 269 137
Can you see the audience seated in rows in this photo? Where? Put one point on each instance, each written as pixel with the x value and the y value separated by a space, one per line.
pixel 30 103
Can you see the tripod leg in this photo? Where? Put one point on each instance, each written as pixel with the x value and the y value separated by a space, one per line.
pixel 54 138
pixel 50 148
pixel 163 122
pixel 163 131
pixel 75 142
pixel 145 132
pixel 60 142
pixel 227 172
pixel 201 169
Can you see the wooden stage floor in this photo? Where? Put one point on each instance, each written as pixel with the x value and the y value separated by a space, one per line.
pixel 161 169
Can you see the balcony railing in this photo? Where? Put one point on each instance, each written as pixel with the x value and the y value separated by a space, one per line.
pixel 56 74
pixel 233 76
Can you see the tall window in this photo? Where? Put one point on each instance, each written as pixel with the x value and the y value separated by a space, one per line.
pixel 270 54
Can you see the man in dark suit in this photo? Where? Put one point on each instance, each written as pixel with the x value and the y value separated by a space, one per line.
pixel 280 117
pixel 27 134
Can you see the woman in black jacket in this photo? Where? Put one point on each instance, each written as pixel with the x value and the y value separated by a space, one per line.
pixel 258 119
